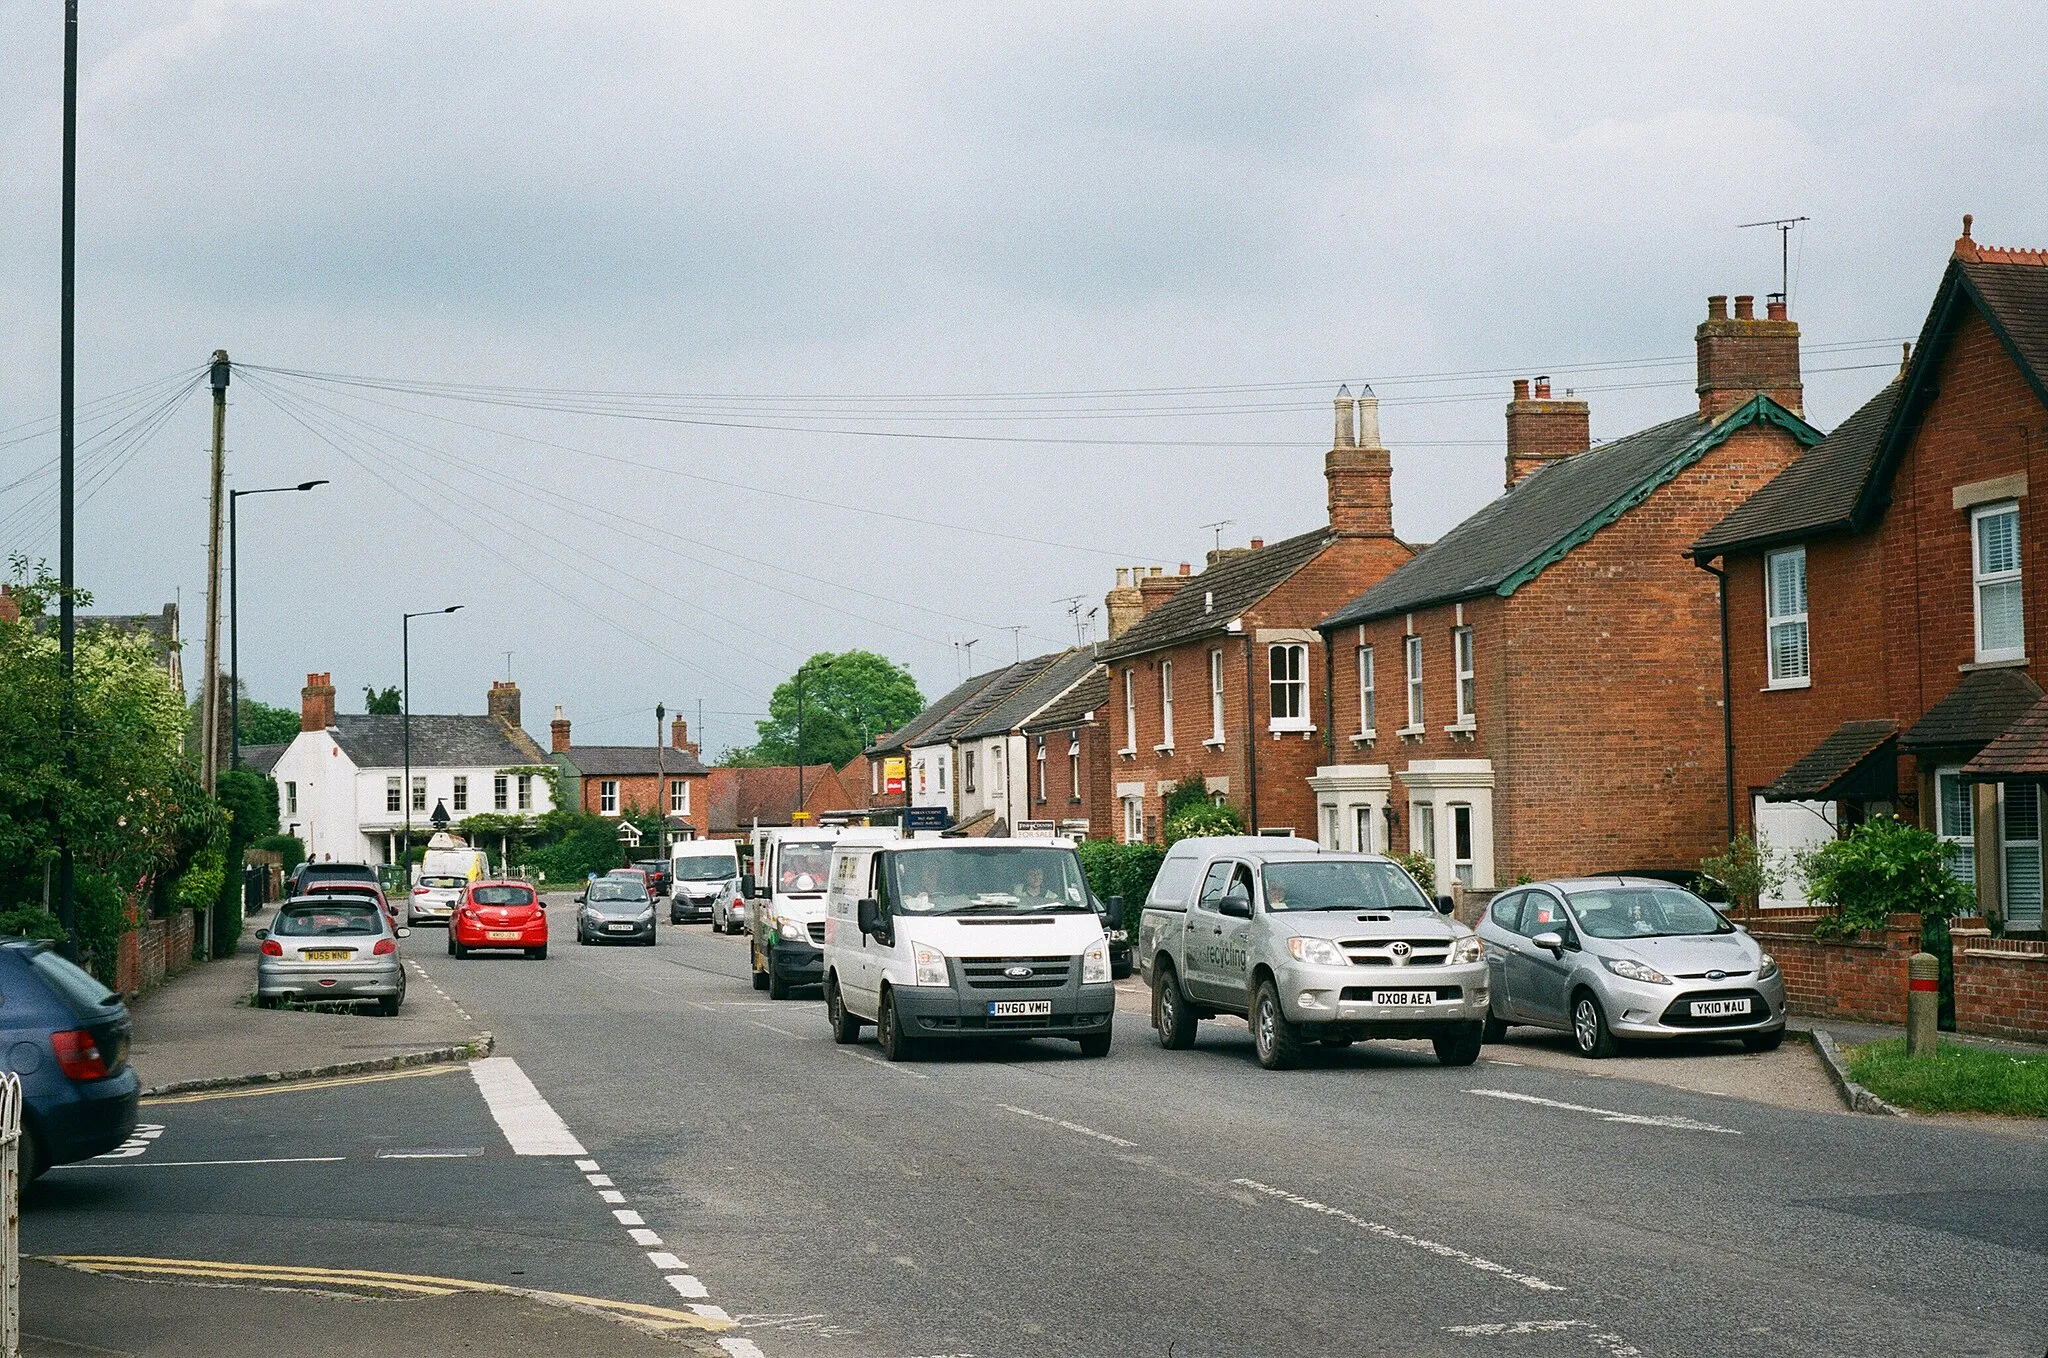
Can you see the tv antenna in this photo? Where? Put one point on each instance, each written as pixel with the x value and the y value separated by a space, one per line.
pixel 1784 227
pixel 1073 603
pixel 1219 526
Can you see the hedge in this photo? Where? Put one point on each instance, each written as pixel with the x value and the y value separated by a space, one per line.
pixel 1124 870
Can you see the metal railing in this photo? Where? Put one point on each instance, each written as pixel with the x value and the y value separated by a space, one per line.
pixel 10 1205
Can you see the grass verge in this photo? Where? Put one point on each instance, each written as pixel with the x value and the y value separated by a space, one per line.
pixel 1954 1079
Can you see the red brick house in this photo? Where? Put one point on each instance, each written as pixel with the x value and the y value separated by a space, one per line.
pixel 737 800
pixel 1068 760
pixel 1539 691
pixel 618 780
pixel 1882 592
pixel 892 776
pixel 1218 679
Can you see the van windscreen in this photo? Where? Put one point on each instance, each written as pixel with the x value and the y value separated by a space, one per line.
pixel 992 878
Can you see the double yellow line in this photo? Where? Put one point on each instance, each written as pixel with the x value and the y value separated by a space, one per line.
pixel 372 1282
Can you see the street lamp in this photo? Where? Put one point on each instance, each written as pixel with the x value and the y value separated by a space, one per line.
pixel 405 720
pixel 235 624
pixel 661 806
pixel 823 665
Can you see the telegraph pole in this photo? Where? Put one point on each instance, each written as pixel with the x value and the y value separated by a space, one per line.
pixel 660 785
pixel 209 688
pixel 67 623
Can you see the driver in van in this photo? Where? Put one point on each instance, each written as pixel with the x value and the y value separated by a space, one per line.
pixel 1035 891
pixel 1276 893
pixel 925 896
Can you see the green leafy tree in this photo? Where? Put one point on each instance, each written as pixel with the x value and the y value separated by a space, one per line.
pixel 1203 818
pixel 262 724
pixel 388 702
pixel 1745 872
pixel 847 698
pixel 1422 868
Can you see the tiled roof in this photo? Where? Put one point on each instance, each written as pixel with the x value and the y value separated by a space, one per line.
pixel 2020 751
pixel 1551 511
pixel 2014 287
pixel 1207 602
pixel 1042 688
pixel 1817 493
pixel 1083 698
pixel 902 738
pixel 1976 711
pixel 1823 775
pixel 1006 682
pixel 738 798
pixel 626 761
pixel 262 758
pixel 378 742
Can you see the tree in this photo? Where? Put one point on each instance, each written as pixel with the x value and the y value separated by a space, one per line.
pixel 847 699
pixel 1745 873
pixel 262 724
pixel 382 702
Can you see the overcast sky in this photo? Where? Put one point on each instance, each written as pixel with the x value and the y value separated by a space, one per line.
pixel 822 217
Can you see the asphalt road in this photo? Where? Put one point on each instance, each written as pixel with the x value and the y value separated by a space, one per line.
pixel 1027 1201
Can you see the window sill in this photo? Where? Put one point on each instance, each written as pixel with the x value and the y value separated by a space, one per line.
pixel 2013 662
pixel 1412 732
pixel 1462 728
pixel 1280 729
pixel 1126 754
pixel 1785 685
pixel 1166 750
pixel 1365 737
pixel 1213 743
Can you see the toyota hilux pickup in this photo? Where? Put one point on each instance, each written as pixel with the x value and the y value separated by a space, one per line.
pixel 1307 947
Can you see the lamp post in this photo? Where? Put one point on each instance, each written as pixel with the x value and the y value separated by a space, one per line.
pixel 823 665
pixel 661 807
pixel 405 722
pixel 235 625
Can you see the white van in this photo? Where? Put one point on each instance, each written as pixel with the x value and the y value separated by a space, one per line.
pixel 966 938
pixel 447 869
pixel 705 877
pixel 786 901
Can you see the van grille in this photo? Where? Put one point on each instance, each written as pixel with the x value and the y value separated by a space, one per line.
pixel 817 931
pixel 1382 952
pixel 987 973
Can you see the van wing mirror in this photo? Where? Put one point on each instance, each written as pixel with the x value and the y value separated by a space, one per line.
pixel 1113 911
pixel 747 886
pixel 1237 905
pixel 869 912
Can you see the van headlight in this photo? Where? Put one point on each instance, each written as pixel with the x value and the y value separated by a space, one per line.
pixel 930 965
pixel 1467 949
pixel 1317 952
pixel 1095 963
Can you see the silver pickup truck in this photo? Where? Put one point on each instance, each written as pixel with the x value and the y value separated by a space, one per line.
pixel 1308 947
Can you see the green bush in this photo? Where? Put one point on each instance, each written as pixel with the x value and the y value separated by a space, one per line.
pixel 1422 868
pixel 30 921
pixel 1743 873
pixel 1203 818
pixel 1883 867
pixel 1124 870
pixel 290 850
pixel 1187 794
pixel 574 845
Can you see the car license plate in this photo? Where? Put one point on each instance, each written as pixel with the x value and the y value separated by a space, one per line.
pixel 502 935
pixel 1719 1008
pixel 1403 997
pixel 326 955
pixel 1019 1008
pixel 619 928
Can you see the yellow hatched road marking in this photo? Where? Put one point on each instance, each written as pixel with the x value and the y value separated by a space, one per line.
pixel 421 1284
pixel 295 1086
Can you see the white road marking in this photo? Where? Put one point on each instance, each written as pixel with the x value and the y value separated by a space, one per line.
pixel 526 1119
pixel 896 1066
pixel 740 1348
pixel 1605 1341
pixel 435 986
pixel 195 1164
pixel 611 1195
pixel 459 1154
pixel 626 1216
pixel 666 1262
pixel 771 1028
pixel 587 1166
pixel 138 1141
pixel 1070 1126
pixel 686 1286
pixel 1672 1120
pixel 1484 1265
pixel 599 1180
pixel 642 1236
pixel 710 1312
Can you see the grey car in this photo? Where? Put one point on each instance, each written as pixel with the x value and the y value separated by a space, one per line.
pixel 1612 958
pixel 615 909
pixel 331 948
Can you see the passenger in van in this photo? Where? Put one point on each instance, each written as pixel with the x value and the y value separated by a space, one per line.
pixel 924 896
pixel 1035 891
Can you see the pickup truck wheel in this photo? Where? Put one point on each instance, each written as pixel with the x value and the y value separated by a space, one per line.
pixel 1460 1050
pixel 1171 1014
pixel 760 980
pixel 897 1045
pixel 845 1027
pixel 1493 1030
pixel 1277 1041
pixel 1095 1045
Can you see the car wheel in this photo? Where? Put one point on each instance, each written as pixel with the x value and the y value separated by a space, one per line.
pixel 461 948
pixel 652 935
pixel 389 1005
pixel 1170 1012
pixel 1461 1049
pixel 451 942
pixel 539 954
pixel 778 984
pixel 760 980
pixel 845 1027
pixel 1493 1029
pixel 1589 1027
pixel 30 1165
pixel 1763 1042
pixel 1277 1042
pixel 1095 1045
pixel 896 1044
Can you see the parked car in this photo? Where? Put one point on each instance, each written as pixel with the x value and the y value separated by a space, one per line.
pixel 635 874
pixel 659 880
pixel 434 899
pixel 1307 946
pixel 331 946
pixel 616 907
pixel 499 915
pixel 1627 957
pixel 67 1037
pixel 347 887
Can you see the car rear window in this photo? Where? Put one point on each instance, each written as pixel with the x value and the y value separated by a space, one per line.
pixel 73 984
pixel 342 917
pixel 502 895
pixel 441 881
pixel 329 873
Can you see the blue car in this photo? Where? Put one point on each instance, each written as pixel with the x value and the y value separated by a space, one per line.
pixel 66 1036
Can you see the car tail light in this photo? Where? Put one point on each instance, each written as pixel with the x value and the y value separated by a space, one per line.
pixel 384 946
pixel 78 1055
pixel 419 891
pixel 272 948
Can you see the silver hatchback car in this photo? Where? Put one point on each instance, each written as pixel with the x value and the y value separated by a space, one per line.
pixel 331 948
pixel 1627 957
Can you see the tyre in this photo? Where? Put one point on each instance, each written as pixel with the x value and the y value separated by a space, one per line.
pixel 897 1044
pixel 1763 1042
pixel 389 1005
pixel 845 1027
pixel 652 935
pixel 760 980
pixel 461 949
pixel 1095 1045
pixel 778 984
pixel 1493 1029
pixel 582 939
pixel 1589 1028
pixel 1461 1049
pixel 674 918
pixel 1170 1012
pixel 539 954
pixel 451 942
pixel 30 1165
pixel 1277 1041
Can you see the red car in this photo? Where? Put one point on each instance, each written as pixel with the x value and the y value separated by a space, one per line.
pixel 339 888
pixel 499 915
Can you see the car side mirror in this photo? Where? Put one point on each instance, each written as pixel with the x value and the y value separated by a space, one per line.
pixel 1552 942
pixel 402 931
pixel 1237 905
pixel 580 898
pixel 1113 911
pixel 1445 905
pixel 262 934
pixel 747 885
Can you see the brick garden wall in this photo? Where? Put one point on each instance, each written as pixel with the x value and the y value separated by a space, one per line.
pixel 1861 980
pixel 2001 984
pixel 152 952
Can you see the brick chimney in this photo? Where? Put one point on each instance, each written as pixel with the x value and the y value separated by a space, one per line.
pixel 558 732
pixel 1542 431
pixel 1743 356
pixel 503 702
pixel 10 611
pixel 1360 472
pixel 316 703
pixel 1126 603
pixel 679 737
pixel 1155 587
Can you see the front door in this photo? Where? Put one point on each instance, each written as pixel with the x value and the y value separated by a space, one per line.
pixel 1535 976
pixel 1202 957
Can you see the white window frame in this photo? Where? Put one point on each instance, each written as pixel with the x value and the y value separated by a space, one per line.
pixel 1039 763
pixel 995 770
pixel 1961 839
pixel 461 792
pixel 1368 695
pixel 608 797
pixel 1422 830
pixel 1134 820
pixel 1411 659
pixel 291 798
pixel 2019 847
pixel 875 779
pixel 1130 745
pixel 967 770
pixel 942 763
pixel 1330 822
pixel 419 792
pixel 1463 660
pixel 1215 699
pixel 501 792
pixel 525 790
pixel 1165 745
pixel 1980 579
pixel 394 795
pixel 679 796
pixel 1462 869
pixel 1775 622
pixel 1361 828
pixel 1074 767
pixel 1295 684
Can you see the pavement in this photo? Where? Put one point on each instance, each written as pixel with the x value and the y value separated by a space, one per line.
pixel 658 1143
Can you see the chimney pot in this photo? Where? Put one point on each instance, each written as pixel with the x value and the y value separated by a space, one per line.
pixel 558 732
pixel 1745 307
pixel 1521 388
pixel 1717 307
pixel 1967 219
pixel 1774 306
pixel 1186 569
pixel 1347 425
pixel 1257 543
pixel 1745 358
pixel 1542 388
